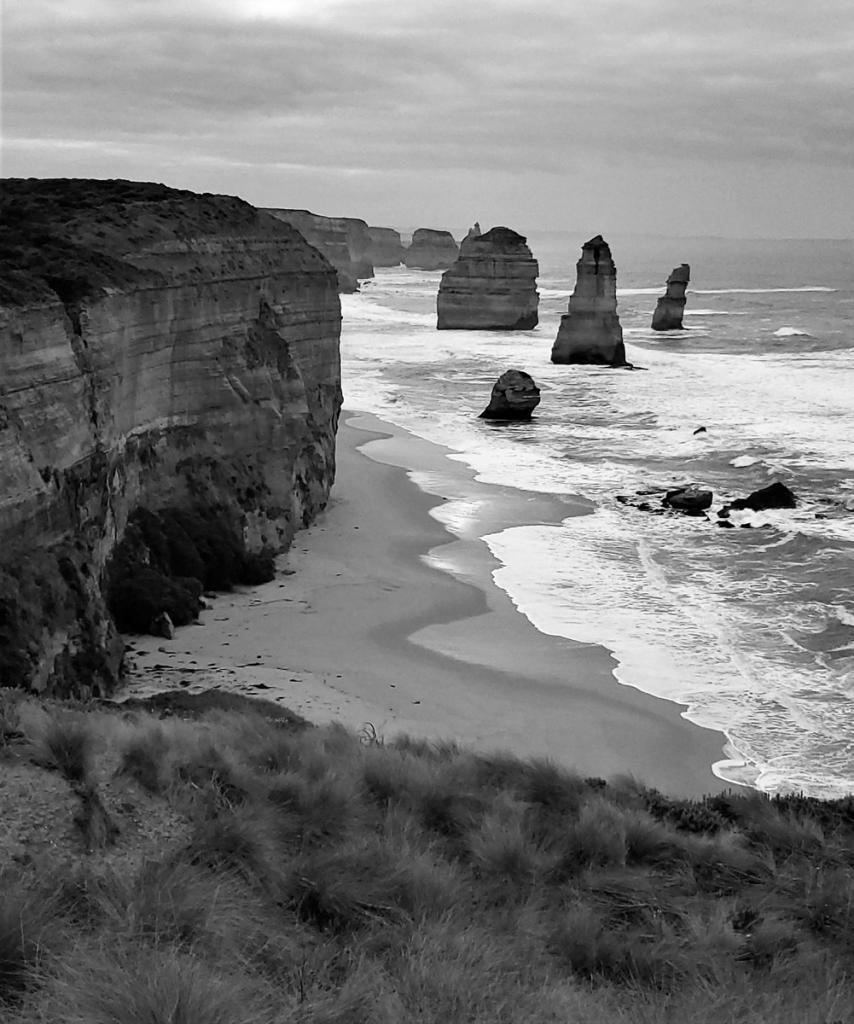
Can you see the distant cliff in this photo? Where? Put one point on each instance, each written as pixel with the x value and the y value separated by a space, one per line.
pixel 386 247
pixel 158 349
pixel 492 286
pixel 345 241
pixel 431 249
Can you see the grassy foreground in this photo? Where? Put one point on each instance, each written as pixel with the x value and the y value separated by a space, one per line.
pixel 238 867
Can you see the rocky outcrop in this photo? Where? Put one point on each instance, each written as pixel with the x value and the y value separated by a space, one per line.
pixel 671 305
pixel 590 331
pixel 157 349
pixel 776 495
pixel 690 499
pixel 492 286
pixel 386 247
pixel 431 250
pixel 345 241
pixel 514 397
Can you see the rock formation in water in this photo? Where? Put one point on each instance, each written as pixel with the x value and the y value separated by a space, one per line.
pixel 776 495
pixel 492 286
pixel 690 499
pixel 590 331
pixel 345 241
pixel 386 247
pixel 431 250
pixel 671 305
pixel 158 349
pixel 514 397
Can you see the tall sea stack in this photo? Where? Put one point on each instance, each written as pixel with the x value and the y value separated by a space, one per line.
pixel 669 309
pixel 590 331
pixel 492 286
pixel 431 250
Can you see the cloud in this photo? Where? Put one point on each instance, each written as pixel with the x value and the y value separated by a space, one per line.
pixel 434 86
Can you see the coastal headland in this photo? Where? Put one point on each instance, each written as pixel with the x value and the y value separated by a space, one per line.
pixel 385 620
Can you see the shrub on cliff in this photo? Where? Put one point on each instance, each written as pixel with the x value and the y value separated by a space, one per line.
pixel 167 558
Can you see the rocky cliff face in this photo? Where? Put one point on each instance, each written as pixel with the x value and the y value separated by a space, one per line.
pixel 157 348
pixel 492 285
pixel 431 250
pixel 590 331
pixel 345 241
pixel 671 305
pixel 386 247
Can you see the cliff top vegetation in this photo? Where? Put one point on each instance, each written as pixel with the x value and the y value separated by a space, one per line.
pixel 240 867
pixel 71 237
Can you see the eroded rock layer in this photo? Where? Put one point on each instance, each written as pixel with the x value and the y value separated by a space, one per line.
pixel 157 348
pixel 345 241
pixel 431 250
pixel 670 307
pixel 386 247
pixel 492 285
pixel 590 331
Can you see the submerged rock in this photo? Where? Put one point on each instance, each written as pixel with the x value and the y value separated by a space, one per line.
pixel 431 250
pixel 514 397
pixel 691 500
pixel 492 286
pixel 775 495
pixel 590 331
pixel 671 305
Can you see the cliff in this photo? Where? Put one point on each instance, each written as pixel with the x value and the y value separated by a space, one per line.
pixel 590 331
pixel 671 305
pixel 157 349
pixel 386 247
pixel 345 241
pixel 492 285
pixel 431 250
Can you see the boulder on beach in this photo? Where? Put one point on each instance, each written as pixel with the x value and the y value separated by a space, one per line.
pixel 492 286
pixel 690 499
pixel 775 495
pixel 514 397
pixel 590 331
pixel 431 250
pixel 671 305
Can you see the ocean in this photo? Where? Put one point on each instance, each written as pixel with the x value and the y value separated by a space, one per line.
pixel 752 629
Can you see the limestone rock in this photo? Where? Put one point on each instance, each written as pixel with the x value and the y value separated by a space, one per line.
pixel 514 397
pixel 590 331
pixel 345 241
pixel 492 286
pixel 162 626
pixel 386 247
pixel 431 250
pixel 158 348
pixel 776 495
pixel 690 499
pixel 669 308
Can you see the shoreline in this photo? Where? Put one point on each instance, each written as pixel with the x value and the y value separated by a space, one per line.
pixel 399 627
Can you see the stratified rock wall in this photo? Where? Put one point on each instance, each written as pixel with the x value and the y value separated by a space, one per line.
pixel 590 332
pixel 159 348
pixel 386 247
pixel 431 250
pixel 671 305
pixel 492 286
pixel 345 241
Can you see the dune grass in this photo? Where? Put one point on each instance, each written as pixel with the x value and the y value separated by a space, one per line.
pixel 324 876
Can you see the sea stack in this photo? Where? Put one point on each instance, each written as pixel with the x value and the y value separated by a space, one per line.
pixel 515 395
pixel 344 241
pixel 590 331
pixel 492 286
pixel 668 311
pixel 386 247
pixel 431 250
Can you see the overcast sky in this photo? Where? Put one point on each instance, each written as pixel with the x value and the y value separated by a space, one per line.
pixel 676 117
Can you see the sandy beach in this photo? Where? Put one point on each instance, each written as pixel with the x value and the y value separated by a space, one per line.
pixel 381 618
